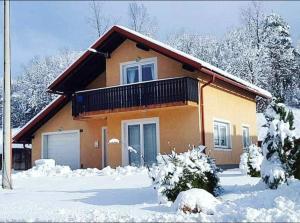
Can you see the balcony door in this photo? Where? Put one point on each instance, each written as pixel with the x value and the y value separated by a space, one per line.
pixel 141 142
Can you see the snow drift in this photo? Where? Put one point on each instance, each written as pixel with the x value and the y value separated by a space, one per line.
pixel 196 200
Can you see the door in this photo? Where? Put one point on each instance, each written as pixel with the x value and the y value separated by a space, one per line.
pixel 134 145
pixel 141 142
pixel 63 147
pixel 104 147
pixel 150 143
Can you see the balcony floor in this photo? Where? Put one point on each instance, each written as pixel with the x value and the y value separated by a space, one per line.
pixel 104 113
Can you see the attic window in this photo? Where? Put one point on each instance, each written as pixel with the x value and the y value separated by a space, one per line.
pixel 143 70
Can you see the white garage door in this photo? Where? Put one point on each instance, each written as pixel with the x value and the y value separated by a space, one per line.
pixel 64 148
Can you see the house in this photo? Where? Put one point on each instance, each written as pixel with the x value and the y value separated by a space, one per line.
pixel 131 91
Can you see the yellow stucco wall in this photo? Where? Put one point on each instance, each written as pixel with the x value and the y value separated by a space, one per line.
pixel 91 131
pixel 237 111
pixel 179 126
pixel 166 67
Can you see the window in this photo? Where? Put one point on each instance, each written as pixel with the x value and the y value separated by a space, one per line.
pixel 246 137
pixel 221 134
pixel 144 70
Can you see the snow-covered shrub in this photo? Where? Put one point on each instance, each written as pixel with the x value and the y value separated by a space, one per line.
pixel 279 150
pixel 251 161
pixel 196 200
pixel 175 173
pixel 244 163
pixel 255 159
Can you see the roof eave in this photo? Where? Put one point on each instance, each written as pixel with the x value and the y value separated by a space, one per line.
pixel 20 136
pixel 153 46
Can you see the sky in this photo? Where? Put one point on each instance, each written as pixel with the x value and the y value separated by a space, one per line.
pixel 40 28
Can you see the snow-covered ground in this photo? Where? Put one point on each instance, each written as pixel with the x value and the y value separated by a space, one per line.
pixel 126 194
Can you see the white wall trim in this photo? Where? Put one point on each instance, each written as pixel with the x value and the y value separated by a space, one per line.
pixel 249 135
pixel 102 144
pixel 124 124
pixel 138 63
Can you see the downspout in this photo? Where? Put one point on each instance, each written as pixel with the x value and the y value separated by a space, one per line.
pixel 202 108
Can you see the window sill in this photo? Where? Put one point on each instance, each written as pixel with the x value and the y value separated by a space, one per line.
pixel 222 149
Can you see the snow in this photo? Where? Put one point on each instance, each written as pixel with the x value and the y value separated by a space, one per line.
pixel 262 131
pixel 168 174
pixel 252 157
pixel 255 157
pixel 114 141
pixel 126 194
pixel 196 199
pixel 15 145
pixel 131 149
pixel 273 169
pixel 202 63
pixel 45 162
pixel 38 114
pixel 244 163
pixel 47 168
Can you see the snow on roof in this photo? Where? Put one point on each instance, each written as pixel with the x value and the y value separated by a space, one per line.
pixel 14 132
pixel 37 115
pixel 202 63
pixel 190 57
pixel 262 131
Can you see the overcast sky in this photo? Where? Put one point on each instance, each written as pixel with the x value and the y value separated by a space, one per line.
pixel 42 27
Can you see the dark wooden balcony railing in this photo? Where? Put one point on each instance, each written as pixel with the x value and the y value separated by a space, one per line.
pixel 133 95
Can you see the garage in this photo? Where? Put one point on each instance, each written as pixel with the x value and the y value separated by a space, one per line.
pixel 63 147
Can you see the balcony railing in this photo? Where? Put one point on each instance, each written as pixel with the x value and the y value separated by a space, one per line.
pixel 135 95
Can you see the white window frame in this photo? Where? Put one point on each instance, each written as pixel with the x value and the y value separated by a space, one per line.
pixel 139 63
pixel 102 144
pixel 225 123
pixel 141 122
pixel 249 140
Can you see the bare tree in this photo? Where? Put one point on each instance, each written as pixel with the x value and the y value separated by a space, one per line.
pixel 140 20
pixel 97 19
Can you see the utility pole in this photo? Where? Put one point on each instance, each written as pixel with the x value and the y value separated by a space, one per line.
pixel 6 156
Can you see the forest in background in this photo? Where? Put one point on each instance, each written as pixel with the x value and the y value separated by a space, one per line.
pixel 260 50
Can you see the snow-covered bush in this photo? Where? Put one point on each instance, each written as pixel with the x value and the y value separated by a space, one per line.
pixel 255 159
pixel 279 150
pixel 244 163
pixel 251 161
pixel 196 200
pixel 175 173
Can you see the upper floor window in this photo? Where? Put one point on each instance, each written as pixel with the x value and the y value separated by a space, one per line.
pixel 246 136
pixel 221 135
pixel 143 70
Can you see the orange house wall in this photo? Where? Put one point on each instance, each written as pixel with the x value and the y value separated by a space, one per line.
pixel 91 131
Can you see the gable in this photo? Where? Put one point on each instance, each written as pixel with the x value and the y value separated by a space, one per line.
pixel 129 52
pixel 88 65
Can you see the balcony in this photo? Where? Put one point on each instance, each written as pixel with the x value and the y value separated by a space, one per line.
pixel 140 95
